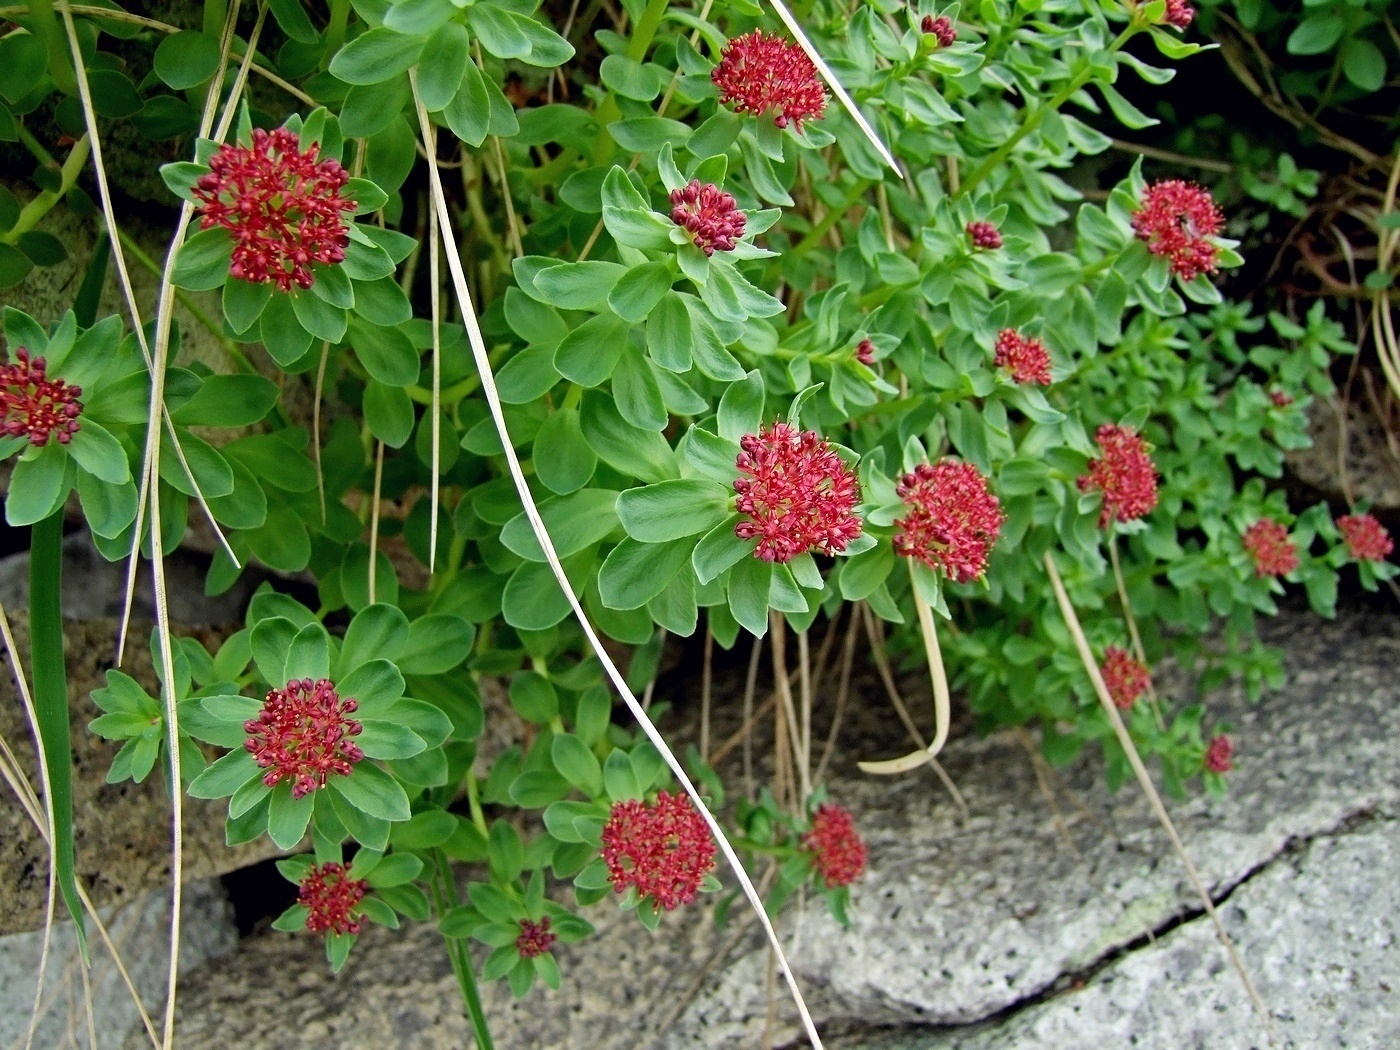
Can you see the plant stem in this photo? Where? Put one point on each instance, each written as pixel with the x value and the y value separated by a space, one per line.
pixel 1032 119
pixel 47 200
pixel 51 698
pixel 445 898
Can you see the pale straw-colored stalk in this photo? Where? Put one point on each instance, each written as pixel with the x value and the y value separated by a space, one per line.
pixel 1125 740
pixel 532 514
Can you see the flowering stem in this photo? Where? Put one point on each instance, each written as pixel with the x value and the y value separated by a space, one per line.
pixel 1131 620
pixel 444 899
pixel 51 698
pixel 1032 119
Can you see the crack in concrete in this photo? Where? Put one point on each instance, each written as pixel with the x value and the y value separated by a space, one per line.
pixel 1081 976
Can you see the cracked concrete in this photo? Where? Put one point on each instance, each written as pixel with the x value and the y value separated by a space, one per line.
pixel 956 925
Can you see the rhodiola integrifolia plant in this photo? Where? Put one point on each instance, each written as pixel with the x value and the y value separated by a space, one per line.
pixel 748 368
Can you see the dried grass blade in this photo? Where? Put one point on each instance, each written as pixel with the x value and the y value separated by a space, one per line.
pixel 488 387
pixel 1125 740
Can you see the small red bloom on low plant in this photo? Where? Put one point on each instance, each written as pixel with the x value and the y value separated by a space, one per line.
pixel 1176 220
pixel 835 846
pixel 1124 473
pixel 281 206
pixel 1220 755
pixel 303 735
pixel 711 215
pixel 940 28
pixel 865 352
pixel 535 938
pixel 796 493
pixel 1367 539
pixel 1268 544
pixel 984 235
pixel 664 849
pixel 1025 358
pixel 1125 678
pixel 331 897
pixel 952 520
pixel 35 406
pixel 759 73
pixel 1179 13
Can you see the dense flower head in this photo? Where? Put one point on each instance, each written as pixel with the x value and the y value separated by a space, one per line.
pixel 865 352
pixel 1179 13
pixel 836 848
pixel 302 735
pixel 796 493
pixel 1280 398
pixel 941 28
pixel 535 938
pixel 1220 753
pixel 984 235
pixel 953 519
pixel 1025 358
pixel 1124 473
pixel 330 897
pixel 1268 544
pixel 664 849
pixel 711 215
pixel 760 73
pixel 281 206
pixel 1124 676
pixel 1177 220
pixel 36 406
pixel 1367 539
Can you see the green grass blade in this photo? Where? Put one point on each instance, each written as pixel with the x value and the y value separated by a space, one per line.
pixel 51 700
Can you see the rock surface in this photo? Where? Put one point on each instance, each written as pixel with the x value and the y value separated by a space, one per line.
pixel 955 926
pixel 140 932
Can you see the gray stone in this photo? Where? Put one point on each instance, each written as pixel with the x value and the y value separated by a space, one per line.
pixel 139 930
pixel 1320 924
pixel 956 925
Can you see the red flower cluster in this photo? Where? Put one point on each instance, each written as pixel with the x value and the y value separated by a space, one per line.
pixel 281 206
pixel 836 848
pixel 759 74
pixel 1124 473
pixel 302 735
pixel 953 519
pixel 941 28
pixel 1280 398
pixel 797 493
pixel 1268 544
pixel 1179 13
pixel 1176 220
pixel 711 215
pixel 1125 678
pixel 331 897
pixel 663 849
pixel 984 235
pixel 865 352
pixel 1367 539
pixel 535 938
pixel 1220 755
pixel 1026 359
pixel 36 406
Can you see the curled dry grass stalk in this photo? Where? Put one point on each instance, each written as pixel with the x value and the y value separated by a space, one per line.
pixel 1144 779
pixel 532 514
